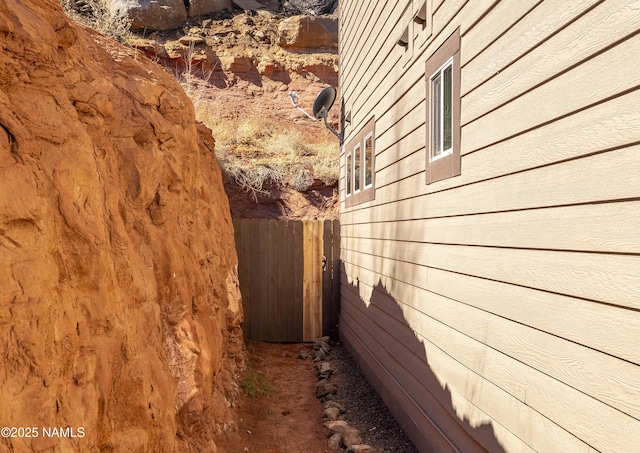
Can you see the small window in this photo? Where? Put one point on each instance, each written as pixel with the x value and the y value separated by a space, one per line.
pixel 360 166
pixel 356 169
pixel 348 175
pixel 368 161
pixel 443 111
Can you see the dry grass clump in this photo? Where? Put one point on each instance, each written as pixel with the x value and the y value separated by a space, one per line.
pixel 98 15
pixel 256 152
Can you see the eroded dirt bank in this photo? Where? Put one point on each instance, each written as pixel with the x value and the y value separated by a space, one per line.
pixel 119 301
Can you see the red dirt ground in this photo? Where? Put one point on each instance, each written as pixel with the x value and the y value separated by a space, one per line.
pixel 288 420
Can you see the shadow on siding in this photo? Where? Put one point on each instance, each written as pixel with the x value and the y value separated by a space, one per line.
pixel 395 362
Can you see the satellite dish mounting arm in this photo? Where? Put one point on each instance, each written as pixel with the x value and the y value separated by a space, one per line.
pixel 321 106
pixel 324 113
pixel 294 98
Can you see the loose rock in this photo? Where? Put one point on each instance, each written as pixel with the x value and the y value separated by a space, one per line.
pixel 336 427
pixel 351 437
pixel 324 388
pixel 335 404
pixel 319 355
pixel 308 32
pixel 335 442
pixel 324 370
pixel 331 413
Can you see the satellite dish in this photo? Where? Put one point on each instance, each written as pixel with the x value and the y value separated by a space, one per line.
pixel 324 101
pixel 321 106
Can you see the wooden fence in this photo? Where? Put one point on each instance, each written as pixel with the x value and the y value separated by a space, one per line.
pixel 289 278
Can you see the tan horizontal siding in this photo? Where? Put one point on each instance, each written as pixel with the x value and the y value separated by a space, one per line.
pixel 547 186
pixel 519 304
pixel 375 31
pixel 412 372
pixel 457 359
pixel 378 83
pixel 594 81
pixel 424 431
pixel 606 126
pixel 539 24
pixel 498 20
pixel 607 379
pixel 611 124
pixel 444 320
pixel 608 227
pixel 598 277
pixel 600 28
pixel 515 285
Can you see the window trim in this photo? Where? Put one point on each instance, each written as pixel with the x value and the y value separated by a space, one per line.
pixel 357 163
pixel 364 161
pixel 348 174
pixel 449 165
pixel 357 144
pixel 440 72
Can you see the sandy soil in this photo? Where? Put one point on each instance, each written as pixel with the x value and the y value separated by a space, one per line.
pixel 287 420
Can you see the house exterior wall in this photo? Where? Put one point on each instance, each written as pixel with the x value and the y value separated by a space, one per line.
pixel 499 309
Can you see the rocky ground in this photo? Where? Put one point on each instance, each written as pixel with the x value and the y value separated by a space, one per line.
pixel 245 63
pixel 364 409
pixel 242 62
pixel 310 404
pixel 120 307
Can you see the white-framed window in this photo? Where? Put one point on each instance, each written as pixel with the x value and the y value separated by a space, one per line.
pixel 443 106
pixel 441 111
pixel 348 174
pixel 368 160
pixel 356 169
pixel 360 166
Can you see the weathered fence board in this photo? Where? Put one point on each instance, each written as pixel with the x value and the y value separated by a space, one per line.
pixel 312 280
pixel 331 274
pixel 289 278
pixel 295 332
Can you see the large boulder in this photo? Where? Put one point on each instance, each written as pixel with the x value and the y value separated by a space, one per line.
pixel 198 7
pixel 166 14
pixel 310 7
pixel 308 32
pixel 119 304
pixel 249 5
pixel 152 14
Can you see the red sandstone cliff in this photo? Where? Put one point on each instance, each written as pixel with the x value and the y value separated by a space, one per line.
pixel 119 302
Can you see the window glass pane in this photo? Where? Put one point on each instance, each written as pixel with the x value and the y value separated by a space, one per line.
pixel 448 108
pixel 436 96
pixel 356 169
pixel 348 174
pixel 368 161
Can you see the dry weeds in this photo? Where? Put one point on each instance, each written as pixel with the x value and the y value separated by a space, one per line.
pixel 257 152
pixel 98 15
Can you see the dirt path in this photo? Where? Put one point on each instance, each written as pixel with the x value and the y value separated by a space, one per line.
pixel 287 419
